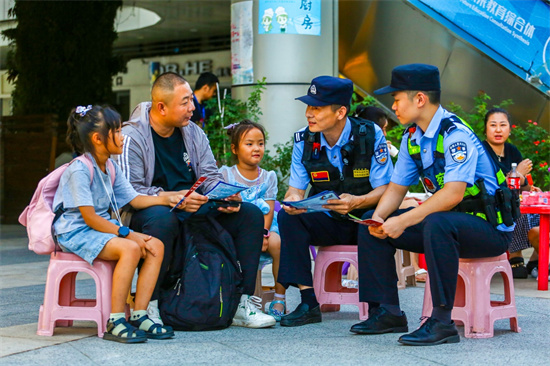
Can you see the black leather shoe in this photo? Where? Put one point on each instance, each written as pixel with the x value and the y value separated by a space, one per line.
pixel 381 321
pixel 302 315
pixel 430 333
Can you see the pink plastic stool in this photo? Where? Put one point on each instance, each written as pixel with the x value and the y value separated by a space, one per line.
pixel 61 306
pixel 473 306
pixel 404 269
pixel 327 279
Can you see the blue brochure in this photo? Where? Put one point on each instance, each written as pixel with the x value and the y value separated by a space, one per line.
pixel 224 190
pixel 314 203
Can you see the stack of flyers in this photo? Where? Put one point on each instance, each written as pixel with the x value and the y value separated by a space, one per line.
pixel 223 190
pixel 314 203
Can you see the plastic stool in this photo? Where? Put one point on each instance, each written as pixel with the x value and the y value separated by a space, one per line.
pixel 266 293
pixel 473 306
pixel 327 279
pixel 61 306
pixel 404 269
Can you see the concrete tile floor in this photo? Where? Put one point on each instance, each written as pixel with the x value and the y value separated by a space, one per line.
pixel 22 279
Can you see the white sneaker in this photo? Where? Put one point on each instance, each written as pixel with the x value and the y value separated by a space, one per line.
pixel 249 314
pixel 153 312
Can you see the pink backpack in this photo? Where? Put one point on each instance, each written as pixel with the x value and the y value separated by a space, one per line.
pixel 38 217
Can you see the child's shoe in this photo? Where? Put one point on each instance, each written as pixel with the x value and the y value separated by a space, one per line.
pixel 249 314
pixel 140 320
pixel 277 314
pixel 120 330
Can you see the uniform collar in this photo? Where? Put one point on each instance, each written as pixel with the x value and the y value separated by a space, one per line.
pixel 433 127
pixel 342 140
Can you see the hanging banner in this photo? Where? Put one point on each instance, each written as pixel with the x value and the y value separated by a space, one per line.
pixel 242 40
pixel 519 31
pixel 289 17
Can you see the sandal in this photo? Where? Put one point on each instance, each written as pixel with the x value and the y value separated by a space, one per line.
pixel 127 334
pixel 155 331
pixel 420 275
pixel 277 314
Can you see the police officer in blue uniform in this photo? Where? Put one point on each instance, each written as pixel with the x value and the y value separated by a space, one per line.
pixel 335 152
pixel 468 216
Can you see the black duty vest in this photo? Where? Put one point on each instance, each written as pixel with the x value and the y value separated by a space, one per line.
pixel 356 158
pixel 497 209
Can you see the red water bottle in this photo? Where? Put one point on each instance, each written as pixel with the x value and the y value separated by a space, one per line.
pixel 513 179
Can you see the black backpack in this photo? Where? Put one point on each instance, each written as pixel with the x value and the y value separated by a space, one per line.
pixel 204 285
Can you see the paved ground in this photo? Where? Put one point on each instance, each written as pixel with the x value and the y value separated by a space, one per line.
pixel 23 274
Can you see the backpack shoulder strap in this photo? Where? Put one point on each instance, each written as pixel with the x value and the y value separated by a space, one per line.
pixel 112 170
pixel 88 162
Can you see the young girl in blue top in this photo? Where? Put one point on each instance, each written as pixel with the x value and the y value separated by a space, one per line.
pixel 86 229
pixel 247 145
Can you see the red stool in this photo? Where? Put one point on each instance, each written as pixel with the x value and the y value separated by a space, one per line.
pixel 473 306
pixel 327 279
pixel 61 306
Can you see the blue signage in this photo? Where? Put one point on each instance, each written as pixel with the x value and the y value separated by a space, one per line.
pixel 518 31
pixel 289 17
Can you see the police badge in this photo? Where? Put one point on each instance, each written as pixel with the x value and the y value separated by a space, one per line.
pixel 459 151
pixel 381 154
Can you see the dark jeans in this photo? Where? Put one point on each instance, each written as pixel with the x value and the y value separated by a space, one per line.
pixel 443 237
pixel 298 232
pixel 245 226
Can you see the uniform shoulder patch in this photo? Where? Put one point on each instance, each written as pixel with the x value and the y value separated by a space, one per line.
pixel 381 154
pixel 459 151
pixel 299 136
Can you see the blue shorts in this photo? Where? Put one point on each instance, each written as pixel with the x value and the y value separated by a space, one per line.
pixel 85 242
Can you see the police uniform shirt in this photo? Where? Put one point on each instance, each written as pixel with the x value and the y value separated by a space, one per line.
pixel 470 165
pixel 381 166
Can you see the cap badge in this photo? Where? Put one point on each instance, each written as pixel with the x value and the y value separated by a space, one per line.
pixel 313 90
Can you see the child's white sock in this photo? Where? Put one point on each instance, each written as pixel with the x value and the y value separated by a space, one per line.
pixel 115 316
pixel 280 296
pixel 136 314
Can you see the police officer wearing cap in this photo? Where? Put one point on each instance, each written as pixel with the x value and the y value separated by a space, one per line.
pixel 468 215
pixel 337 153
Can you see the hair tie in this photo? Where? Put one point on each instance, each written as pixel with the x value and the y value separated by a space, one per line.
pixel 81 110
pixel 231 126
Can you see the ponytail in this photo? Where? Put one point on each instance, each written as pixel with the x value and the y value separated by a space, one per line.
pixel 73 138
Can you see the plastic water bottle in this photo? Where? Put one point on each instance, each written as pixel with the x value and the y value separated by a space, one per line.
pixel 514 179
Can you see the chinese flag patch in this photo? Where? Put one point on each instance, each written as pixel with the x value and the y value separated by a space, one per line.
pixel 320 176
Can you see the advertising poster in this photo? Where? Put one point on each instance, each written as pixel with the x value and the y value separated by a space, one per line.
pixel 289 17
pixel 242 40
pixel 517 30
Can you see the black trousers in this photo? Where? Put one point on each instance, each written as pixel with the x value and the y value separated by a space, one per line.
pixel 443 237
pixel 298 232
pixel 245 226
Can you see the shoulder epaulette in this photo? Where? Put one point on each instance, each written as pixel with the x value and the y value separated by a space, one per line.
pixel 299 136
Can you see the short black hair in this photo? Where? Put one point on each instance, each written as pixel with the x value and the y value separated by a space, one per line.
pixel 433 95
pixel 375 114
pixel 335 107
pixel 168 81
pixel 206 78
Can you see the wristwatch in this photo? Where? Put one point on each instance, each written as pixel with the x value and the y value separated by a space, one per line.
pixel 266 233
pixel 123 231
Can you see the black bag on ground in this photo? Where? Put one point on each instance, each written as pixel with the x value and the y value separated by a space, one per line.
pixel 204 285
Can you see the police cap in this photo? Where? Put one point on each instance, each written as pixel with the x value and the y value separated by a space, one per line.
pixel 412 77
pixel 328 90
